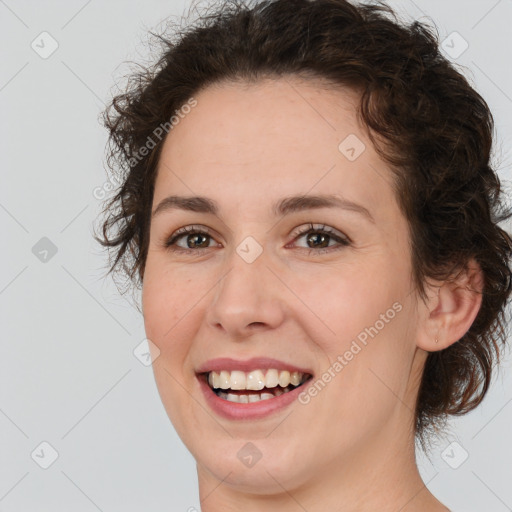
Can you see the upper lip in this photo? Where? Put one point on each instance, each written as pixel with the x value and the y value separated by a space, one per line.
pixel 255 363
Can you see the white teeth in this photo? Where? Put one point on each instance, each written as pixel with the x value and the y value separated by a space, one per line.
pixel 255 380
pixel 284 378
pixel 253 397
pixel 271 379
pixel 244 399
pixel 238 380
pixel 224 378
pixel 295 378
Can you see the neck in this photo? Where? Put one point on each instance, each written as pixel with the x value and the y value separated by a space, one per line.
pixel 383 476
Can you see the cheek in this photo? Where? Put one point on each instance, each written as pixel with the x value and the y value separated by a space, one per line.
pixel 169 316
pixel 167 302
pixel 375 359
pixel 349 300
pixel 369 334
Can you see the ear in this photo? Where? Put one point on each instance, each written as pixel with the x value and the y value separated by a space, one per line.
pixel 451 308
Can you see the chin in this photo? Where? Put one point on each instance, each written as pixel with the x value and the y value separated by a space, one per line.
pixel 264 477
pixel 259 467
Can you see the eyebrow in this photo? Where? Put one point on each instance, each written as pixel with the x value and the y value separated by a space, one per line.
pixel 282 207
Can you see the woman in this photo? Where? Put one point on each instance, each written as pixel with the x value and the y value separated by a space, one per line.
pixel 309 208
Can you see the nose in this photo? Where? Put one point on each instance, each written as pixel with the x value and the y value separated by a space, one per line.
pixel 247 298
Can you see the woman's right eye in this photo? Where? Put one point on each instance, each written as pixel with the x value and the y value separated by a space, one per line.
pixel 191 234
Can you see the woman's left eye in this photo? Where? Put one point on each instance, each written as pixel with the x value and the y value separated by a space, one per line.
pixel 318 235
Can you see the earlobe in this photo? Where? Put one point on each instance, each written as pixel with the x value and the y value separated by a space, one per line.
pixel 452 311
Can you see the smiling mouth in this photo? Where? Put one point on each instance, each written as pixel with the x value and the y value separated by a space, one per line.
pixel 249 387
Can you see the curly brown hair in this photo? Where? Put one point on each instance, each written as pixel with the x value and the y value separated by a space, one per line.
pixel 421 114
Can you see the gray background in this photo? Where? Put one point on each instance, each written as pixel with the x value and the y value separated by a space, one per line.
pixel 68 374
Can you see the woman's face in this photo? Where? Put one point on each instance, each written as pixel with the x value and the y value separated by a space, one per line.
pixel 336 304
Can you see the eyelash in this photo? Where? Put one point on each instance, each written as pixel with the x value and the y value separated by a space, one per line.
pixel 170 243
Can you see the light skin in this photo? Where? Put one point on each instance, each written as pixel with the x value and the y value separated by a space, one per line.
pixel 351 448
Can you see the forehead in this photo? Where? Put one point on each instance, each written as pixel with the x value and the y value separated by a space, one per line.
pixel 267 115
pixel 272 138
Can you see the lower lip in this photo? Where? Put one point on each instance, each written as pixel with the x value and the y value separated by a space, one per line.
pixel 249 411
